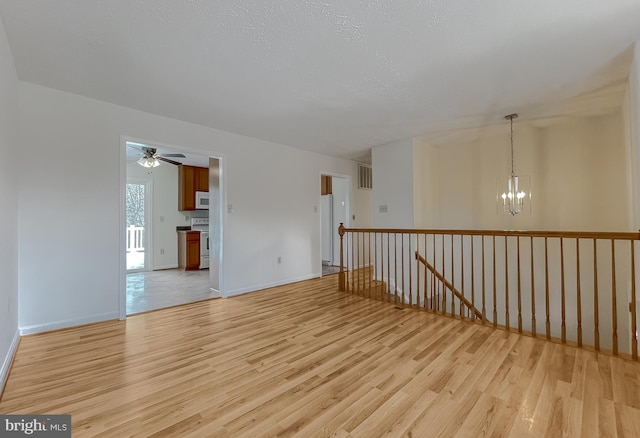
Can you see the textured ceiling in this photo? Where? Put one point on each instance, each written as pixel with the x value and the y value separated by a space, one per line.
pixel 336 77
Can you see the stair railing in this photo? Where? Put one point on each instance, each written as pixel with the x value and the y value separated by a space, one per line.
pixel 576 288
pixel 466 305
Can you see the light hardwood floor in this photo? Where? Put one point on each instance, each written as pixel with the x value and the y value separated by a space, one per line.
pixel 305 360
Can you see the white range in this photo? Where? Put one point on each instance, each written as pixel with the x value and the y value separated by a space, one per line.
pixel 202 224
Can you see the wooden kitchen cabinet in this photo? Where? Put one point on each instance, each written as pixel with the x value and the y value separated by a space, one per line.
pixel 326 183
pixel 186 188
pixel 201 179
pixel 188 250
pixel 191 179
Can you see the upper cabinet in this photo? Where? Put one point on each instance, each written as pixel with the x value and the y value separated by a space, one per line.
pixel 326 183
pixel 201 179
pixel 191 179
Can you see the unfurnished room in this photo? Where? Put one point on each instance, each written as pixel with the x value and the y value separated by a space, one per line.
pixel 314 219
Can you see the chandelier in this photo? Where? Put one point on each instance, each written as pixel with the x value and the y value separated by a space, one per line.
pixel 513 199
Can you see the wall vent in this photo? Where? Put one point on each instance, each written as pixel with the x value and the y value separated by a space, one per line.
pixel 365 177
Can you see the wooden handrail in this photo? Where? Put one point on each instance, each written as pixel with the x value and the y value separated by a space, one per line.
pixel 448 284
pixel 618 235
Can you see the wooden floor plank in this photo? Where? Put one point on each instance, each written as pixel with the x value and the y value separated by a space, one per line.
pixel 306 360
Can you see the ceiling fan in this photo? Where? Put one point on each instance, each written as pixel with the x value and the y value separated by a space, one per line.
pixel 151 158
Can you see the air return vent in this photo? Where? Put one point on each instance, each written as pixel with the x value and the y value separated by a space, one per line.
pixel 365 177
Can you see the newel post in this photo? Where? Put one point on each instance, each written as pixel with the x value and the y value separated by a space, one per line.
pixel 341 276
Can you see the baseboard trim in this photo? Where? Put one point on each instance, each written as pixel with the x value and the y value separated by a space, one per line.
pixel 256 288
pixel 8 361
pixel 57 325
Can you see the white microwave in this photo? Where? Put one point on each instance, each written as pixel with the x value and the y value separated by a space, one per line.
pixel 202 200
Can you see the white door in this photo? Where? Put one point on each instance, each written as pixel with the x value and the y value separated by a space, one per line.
pixel 137 233
pixel 340 187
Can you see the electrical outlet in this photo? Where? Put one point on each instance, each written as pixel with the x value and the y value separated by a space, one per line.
pixel 279 260
pixel 230 208
pixel 383 208
pixel 161 218
pixel 161 251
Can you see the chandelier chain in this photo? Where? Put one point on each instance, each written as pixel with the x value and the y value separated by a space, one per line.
pixel 511 120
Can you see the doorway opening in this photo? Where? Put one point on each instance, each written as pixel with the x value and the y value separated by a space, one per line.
pixel 154 276
pixel 334 209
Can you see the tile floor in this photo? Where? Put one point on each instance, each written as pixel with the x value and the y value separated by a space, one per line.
pixel 170 287
pixel 328 270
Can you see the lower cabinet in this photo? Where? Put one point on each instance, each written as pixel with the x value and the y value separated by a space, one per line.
pixel 188 250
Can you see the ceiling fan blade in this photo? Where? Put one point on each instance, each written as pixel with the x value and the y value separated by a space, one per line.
pixel 141 149
pixel 171 155
pixel 166 160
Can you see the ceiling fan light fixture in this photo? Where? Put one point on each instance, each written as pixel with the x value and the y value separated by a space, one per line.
pixel 149 162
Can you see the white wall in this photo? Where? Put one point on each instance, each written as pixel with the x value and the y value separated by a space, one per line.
pixel 393 187
pixel 584 174
pixel 631 120
pixel 9 201
pixel 631 117
pixel 69 270
pixel 460 178
pixel 393 184
pixel 425 184
pixel 578 176
pixel 164 204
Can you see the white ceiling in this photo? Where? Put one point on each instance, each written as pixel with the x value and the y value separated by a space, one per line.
pixel 332 76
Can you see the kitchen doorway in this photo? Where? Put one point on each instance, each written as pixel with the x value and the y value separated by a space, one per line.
pixel 137 241
pixel 152 274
